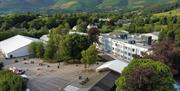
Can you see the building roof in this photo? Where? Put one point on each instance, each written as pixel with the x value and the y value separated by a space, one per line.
pixel 154 35
pixel 137 37
pixel 71 88
pixel 14 43
pixel 92 26
pixel 74 28
pixel 79 33
pixel 107 83
pixel 44 38
pixel 115 65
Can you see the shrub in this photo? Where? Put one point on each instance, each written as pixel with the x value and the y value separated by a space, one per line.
pixel 11 82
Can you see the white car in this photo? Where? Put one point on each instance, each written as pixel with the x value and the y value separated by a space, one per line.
pixel 13 69
pixel 17 71
pixel 25 77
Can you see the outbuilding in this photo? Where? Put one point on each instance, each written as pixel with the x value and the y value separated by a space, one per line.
pixel 115 66
pixel 16 46
pixel 44 38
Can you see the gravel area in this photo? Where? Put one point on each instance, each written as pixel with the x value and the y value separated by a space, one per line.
pixel 49 77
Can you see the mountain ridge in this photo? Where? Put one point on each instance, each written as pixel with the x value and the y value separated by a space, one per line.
pixel 77 5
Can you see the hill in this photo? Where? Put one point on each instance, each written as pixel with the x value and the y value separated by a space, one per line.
pixel 23 5
pixel 175 12
pixel 78 5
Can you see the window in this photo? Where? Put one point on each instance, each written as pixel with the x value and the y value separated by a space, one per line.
pixel 125 52
pixel 125 47
pixel 129 54
pixel 133 50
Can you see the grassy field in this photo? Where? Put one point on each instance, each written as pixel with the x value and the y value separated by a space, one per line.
pixel 175 12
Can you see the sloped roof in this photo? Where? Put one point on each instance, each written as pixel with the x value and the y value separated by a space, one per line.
pixel 115 65
pixel 71 88
pixel 44 38
pixel 14 43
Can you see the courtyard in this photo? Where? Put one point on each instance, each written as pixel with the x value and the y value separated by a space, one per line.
pixel 55 76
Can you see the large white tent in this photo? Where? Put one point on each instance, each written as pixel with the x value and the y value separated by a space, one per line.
pixel 71 88
pixel 115 65
pixel 16 46
pixel 44 38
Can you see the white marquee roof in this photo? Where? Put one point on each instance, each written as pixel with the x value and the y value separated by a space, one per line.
pixel 44 38
pixel 115 65
pixel 71 88
pixel 14 43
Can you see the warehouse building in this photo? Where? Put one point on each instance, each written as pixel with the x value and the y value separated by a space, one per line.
pixel 16 46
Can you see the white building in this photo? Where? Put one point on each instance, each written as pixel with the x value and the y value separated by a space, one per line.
pixel 105 19
pixel 123 46
pixel 44 38
pixel 79 33
pixel 90 26
pixel 16 46
pixel 71 88
pixel 74 28
pixel 115 65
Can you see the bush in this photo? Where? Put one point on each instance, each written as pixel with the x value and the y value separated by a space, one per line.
pixel 37 49
pixel 145 75
pixel 11 82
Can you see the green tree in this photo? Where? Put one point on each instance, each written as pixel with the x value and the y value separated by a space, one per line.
pixel 62 29
pixel 49 52
pixel 11 82
pixel 177 38
pixel 164 21
pixel 106 29
pixel 39 50
pixel 145 75
pixel 89 56
pixel 36 24
pixel 32 48
pixel 82 27
pixel 71 47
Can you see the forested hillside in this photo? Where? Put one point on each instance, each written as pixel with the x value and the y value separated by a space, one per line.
pixel 80 5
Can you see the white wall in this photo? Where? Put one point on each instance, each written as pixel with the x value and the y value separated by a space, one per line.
pixel 24 51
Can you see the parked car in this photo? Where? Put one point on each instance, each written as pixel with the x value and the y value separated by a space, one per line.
pixel 16 70
pixel 12 69
pixel 20 72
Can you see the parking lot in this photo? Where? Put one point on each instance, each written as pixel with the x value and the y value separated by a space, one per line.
pixel 48 77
